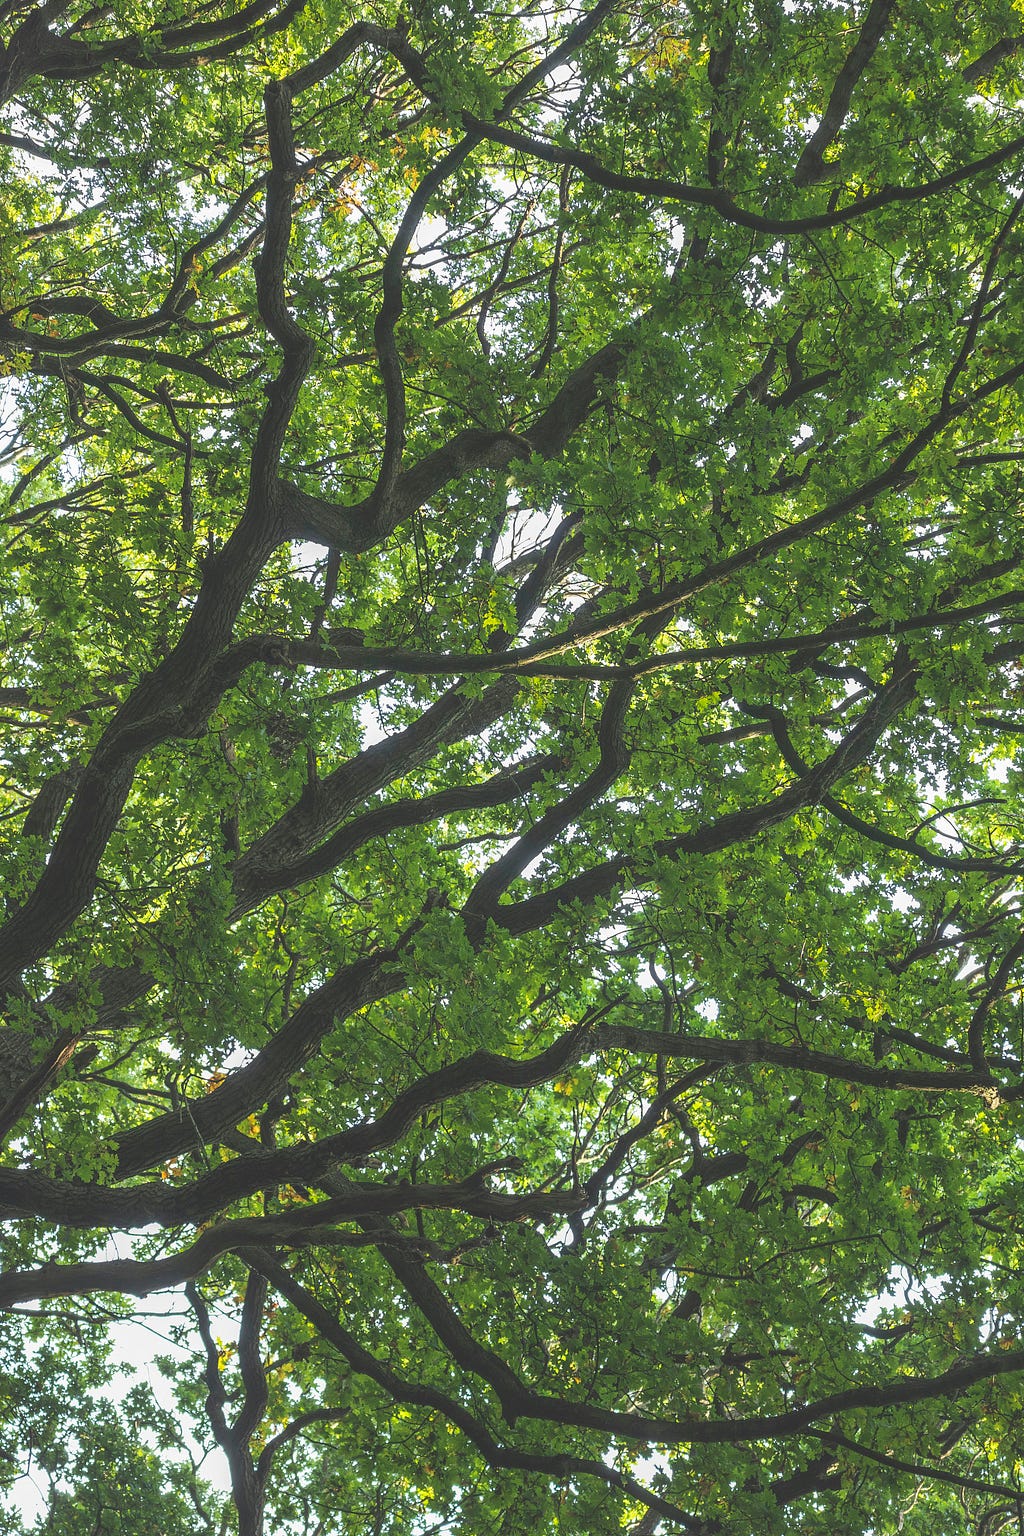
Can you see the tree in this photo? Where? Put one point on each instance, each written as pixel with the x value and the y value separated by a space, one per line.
pixel 511 601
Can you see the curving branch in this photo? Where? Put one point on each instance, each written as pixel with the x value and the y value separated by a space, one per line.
pixel 493 1451
pixel 666 189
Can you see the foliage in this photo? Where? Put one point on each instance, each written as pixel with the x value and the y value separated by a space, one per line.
pixel 511 779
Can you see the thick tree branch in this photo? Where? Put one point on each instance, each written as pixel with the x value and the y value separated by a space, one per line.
pixel 811 166
pixel 492 1451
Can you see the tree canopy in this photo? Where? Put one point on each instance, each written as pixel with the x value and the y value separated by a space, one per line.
pixel 511 767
